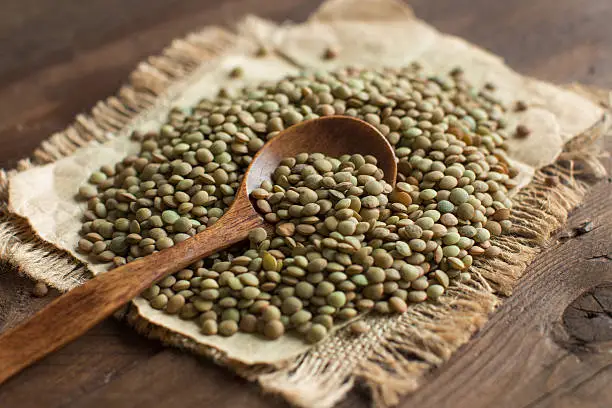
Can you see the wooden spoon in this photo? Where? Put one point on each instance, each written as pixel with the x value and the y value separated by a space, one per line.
pixel 75 312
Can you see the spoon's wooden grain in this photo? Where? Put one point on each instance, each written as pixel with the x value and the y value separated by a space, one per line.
pixel 75 312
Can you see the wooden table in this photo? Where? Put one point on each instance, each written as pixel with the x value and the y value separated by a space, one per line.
pixel 58 58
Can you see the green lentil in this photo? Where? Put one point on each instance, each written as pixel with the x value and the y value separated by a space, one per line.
pixel 258 235
pixel 316 333
pixel 345 242
pixel 209 327
pixel 273 329
pixel 228 328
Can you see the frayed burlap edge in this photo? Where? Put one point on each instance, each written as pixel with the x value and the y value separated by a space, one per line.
pixel 393 357
pixel 148 85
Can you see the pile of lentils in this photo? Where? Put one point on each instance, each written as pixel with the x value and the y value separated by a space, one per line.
pixel 345 242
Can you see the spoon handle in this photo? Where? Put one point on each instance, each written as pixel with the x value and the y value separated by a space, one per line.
pixel 75 312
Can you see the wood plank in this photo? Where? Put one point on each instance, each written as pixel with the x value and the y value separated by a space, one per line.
pixel 61 57
pixel 561 41
pixel 524 357
pixel 84 51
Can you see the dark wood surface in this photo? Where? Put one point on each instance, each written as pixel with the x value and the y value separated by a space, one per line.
pixel 547 346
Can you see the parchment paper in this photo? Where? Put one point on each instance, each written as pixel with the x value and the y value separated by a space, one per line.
pixel 367 33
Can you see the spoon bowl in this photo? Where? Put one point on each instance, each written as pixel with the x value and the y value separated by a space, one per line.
pixel 330 135
pixel 72 314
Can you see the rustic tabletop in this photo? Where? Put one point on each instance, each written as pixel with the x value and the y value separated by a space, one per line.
pixel 549 345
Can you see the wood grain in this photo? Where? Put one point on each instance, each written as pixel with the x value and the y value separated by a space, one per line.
pixel 53 67
pixel 525 357
pixel 74 313
pixel 57 59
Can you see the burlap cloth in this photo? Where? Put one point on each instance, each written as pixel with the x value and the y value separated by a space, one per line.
pixel 39 220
